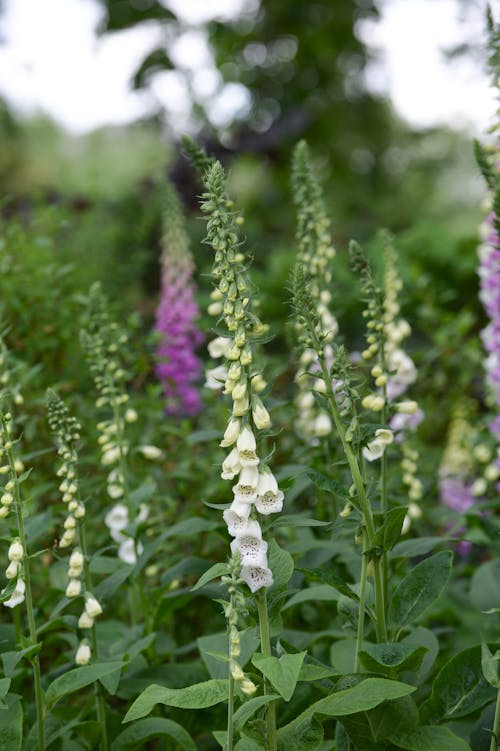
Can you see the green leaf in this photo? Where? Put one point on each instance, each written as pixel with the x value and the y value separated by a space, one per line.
pixel 326 577
pixel 108 586
pixel 459 688
pixel 429 738
pixel 282 672
pixel 281 564
pixel 298 520
pixel 420 588
pixel 4 687
pixel 11 659
pixel 11 725
pixel 326 483
pixel 423 637
pixel 419 546
pixel 313 672
pixel 390 531
pixel 249 708
pixel 153 727
pixel 78 678
pixel 249 643
pixel 214 572
pixel 484 589
pixel 391 659
pixel 317 592
pixel 489 664
pixel 198 696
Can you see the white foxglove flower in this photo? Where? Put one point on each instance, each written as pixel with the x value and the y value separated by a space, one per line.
pixel 12 570
pixel 110 456
pixel 231 433
pixel 74 588
pixel 247 447
pixel 246 488
pixel 219 347
pixel 117 518
pixel 76 559
pixel 241 406
pixel 239 526
pixel 85 621
pixel 151 452
pixel 231 465
pixel 82 656
pixel 16 551
pixel 253 551
pixel 260 414
pixel 256 577
pixel 215 377
pixel 127 551
pixel 143 513
pixel 322 425
pixel 376 448
pixel 131 415
pixel 241 509
pixel 408 407
pixel 17 596
pixel 269 496
pixel 92 606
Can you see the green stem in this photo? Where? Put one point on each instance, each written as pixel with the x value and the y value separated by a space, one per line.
pixel 230 714
pixel 365 507
pixel 99 698
pixel 265 645
pixel 495 738
pixel 39 702
pixel 362 598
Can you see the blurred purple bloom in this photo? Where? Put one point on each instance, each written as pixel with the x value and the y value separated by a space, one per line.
pixel 456 494
pixel 178 368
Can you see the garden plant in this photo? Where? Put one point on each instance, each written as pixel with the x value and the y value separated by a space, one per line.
pixel 234 533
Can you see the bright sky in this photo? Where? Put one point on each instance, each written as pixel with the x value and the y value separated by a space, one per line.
pixel 51 61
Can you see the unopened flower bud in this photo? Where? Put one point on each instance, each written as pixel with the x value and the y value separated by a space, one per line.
pixel 92 606
pixel 16 551
pixel 74 588
pixel 82 656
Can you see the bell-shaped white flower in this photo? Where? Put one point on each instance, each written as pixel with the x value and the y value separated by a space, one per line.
pixel 117 519
pixel 17 596
pixel 150 452
pixel 82 656
pixel 269 496
pixel 260 414
pixel 247 446
pixel 128 551
pixel 245 489
pixel 237 526
pixel 376 448
pixel 16 551
pixel 85 621
pixel 219 347
pixel 322 425
pixel 74 588
pixel 92 605
pixel 231 465
pixel 256 577
pixel 253 550
pixel 240 509
pixel 12 570
pixel 215 377
pixel 231 433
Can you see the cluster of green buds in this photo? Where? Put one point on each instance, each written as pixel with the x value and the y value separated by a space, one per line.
pixel 66 430
pixel 256 491
pixel 315 253
pixel 232 611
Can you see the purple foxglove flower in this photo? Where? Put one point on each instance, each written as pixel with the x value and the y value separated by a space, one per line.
pixel 178 368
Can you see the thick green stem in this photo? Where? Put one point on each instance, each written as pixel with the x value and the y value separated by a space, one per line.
pixel 265 645
pixel 362 597
pixel 39 702
pixel 99 698
pixel 495 738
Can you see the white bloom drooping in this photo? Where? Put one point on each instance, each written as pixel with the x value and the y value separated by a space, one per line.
pixel 17 596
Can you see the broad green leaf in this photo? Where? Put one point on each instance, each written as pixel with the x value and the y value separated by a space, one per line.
pixel 11 659
pixel 423 637
pixel 313 672
pixel 368 729
pixel 154 727
pixel 391 659
pixel 249 708
pixel 282 672
pixel 420 587
pixel 418 546
pixel 308 736
pixel 326 577
pixel 317 592
pixel 198 696
pixel 429 738
pixel 366 695
pixel 281 564
pixel 459 688
pixel 108 586
pixel 489 664
pixel 11 725
pixel 78 678
pixel 389 533
pixel 484 589
pixel 4 687
pixel 214 572
pixel 326 483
